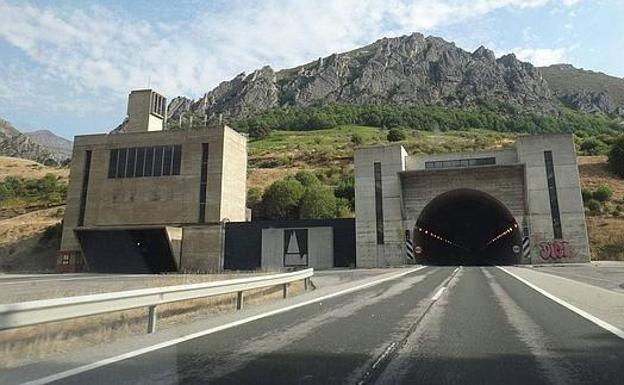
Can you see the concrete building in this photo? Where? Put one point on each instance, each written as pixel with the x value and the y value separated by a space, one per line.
pixel 517 205
pixel 151 200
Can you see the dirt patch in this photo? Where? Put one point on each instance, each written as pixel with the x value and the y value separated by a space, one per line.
pixel 30 242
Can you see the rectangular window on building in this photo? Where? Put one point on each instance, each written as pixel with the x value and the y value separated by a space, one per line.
pixel 140 162
pixel 149 161
pixel 84 188
pixel 131 162
pixel 112 163
pixel 177 160
pixel 379 203
pixel 145 161
pixel 167 158
pixel 121 163
pixel 552 193
pixel 203 183
pixel 158 159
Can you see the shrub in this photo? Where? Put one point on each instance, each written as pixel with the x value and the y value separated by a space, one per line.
pixel 591 146
pixel 616 157
pixel 396 135
pixel 594 205
pixel 357 139
pixel 586 194
pixel 603 193
pixel 317 202
pixel 281 199
pixel 343 208
pixel 346 190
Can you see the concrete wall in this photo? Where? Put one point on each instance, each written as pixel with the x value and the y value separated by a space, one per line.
pixel 320 247
pixel 531 153
pixel 504 183
pixel 201 248
pixel 234 188
pixel 503 157
pixel 369 253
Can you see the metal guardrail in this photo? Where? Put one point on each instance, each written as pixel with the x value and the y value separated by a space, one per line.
pixel 48 310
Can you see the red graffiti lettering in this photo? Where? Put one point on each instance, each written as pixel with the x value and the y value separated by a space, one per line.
pixel 555 250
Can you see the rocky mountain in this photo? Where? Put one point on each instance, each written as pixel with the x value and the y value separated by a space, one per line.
pixel 585 90
pixel 403 70
pixel 59 146
pixel 16 144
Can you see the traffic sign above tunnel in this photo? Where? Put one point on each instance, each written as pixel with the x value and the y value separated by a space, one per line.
pixel 516 205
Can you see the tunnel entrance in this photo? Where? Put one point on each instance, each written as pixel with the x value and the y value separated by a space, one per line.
pixel 467 227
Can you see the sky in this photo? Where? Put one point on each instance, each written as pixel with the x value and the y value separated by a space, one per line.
pixel 68 66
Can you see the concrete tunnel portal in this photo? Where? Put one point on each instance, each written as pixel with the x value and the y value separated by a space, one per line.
pixel 467 227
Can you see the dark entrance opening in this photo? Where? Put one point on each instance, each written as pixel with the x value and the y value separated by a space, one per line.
pixel 467 227
pixel 134 251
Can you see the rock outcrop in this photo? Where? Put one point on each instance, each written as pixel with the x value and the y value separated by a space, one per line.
pixel 14 143
pixel 410 69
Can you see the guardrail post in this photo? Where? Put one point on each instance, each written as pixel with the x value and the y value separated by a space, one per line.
pixel 151 319
pixel 306 283
pixel 285 291
pixel 239 300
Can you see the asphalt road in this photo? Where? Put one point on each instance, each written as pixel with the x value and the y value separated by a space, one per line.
pixel 485 327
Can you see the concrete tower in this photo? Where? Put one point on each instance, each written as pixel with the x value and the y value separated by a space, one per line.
pixel 147 111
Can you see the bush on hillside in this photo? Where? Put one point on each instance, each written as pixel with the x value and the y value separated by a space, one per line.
pixel 396 135
pixel 587 194
pixel 592 146
pixel 357 139
pixel 603 193
pixel 594 205
pixel 616 157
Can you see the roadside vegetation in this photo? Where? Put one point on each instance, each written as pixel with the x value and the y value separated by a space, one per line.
pixel 47 191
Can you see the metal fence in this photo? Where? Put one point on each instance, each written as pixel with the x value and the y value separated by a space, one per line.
pixel 48 310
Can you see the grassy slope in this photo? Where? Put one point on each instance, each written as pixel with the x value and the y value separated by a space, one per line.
pixel 566 80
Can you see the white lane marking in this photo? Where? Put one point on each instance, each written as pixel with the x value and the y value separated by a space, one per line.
pixel 603 324
pixel 438 294
pixel 165 344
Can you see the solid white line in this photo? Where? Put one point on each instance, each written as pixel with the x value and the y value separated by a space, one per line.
pixel 438 294
pixel 603 324
pixel 165 344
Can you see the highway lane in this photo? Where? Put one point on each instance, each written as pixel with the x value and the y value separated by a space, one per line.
pixel 485 327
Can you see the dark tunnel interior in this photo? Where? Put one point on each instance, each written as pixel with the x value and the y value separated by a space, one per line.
pixel 467 227
pixel 144 251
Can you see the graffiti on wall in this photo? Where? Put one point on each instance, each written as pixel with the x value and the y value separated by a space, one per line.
pixel 555 250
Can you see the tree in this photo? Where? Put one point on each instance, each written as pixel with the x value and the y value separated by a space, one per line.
pixel 307 178
pixel 281 199
pixel 396 135
pixel 317 202
pixel 346 190
pixel 343 208
pixel 254 200
pixel 616 157
pixel 603 193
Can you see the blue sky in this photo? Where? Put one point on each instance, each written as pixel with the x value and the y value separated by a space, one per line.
pixel 68 65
